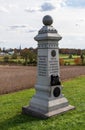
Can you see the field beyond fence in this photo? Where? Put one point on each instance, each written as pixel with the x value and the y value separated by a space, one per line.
pixel 15 78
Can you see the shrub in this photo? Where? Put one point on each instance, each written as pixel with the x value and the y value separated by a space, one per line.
pixel 19 62
pixel 61 61
pixel 14 56
pixel 82 59
pixel 77 61
pixel 70 56
pixel 6 59
pixel 67 63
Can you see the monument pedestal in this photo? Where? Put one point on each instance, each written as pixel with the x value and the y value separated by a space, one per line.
pixel 46 108
pixel 45 103
pixel 48 99
pixel 28 111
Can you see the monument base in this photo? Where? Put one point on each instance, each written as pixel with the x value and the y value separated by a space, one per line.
pixel 28 111
pixel 54 108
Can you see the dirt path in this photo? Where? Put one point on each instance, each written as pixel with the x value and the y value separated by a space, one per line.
pixel 14 78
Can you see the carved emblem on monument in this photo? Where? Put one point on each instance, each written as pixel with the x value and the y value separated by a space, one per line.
pixel 53 53
pixel 55 80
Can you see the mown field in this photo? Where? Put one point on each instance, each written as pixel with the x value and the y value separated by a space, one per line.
pixel 11 117
pixel 15 78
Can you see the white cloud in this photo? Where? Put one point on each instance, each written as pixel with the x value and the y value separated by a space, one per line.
pixel 22 28
pixel 31 31
pixel 47 7
pixel 13 27
pixel 32 10
pixel 6 8
pixel 3 9
pixel 1 42
pixel 72 42
pixel 44 7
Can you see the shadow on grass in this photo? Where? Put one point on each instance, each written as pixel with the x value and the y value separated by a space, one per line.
pixel 17 120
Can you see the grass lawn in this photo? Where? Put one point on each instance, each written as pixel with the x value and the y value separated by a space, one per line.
pixel 12 119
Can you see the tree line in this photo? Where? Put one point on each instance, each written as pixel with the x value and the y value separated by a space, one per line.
pixel 71 51
pixel 28 56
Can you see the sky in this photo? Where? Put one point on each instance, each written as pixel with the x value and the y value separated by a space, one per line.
pixel 20 21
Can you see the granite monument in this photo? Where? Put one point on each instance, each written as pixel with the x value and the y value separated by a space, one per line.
pixel 48 99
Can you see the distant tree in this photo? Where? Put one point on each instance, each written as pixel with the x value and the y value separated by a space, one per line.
pixel 0 49
pixel 29 56
pixel 61 61
pixel 70 56
pixel 17 51
pixel 14 56
pixel 6 59
pixel 69 51
pixel 25 54
pixel 4 50
pixel 79 52
pixel 82 58
pixel 77 61
pixel 32 57
pixel 83 51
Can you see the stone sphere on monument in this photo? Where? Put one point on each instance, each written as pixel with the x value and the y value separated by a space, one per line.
pixel 47 20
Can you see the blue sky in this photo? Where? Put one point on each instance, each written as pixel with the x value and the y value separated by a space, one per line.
pixel 75 3
pixel 20 21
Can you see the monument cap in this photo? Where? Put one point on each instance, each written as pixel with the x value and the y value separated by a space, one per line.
pixel 47 20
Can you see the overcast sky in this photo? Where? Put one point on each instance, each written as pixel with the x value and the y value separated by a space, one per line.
pixel 20 21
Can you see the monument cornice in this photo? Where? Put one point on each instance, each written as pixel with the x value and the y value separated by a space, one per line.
pixel 48 36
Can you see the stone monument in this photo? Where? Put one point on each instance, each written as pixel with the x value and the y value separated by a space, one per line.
pixel 48 99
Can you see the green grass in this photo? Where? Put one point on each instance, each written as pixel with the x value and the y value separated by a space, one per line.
pixel 12 119
pixel 64 56
pixel 69 61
